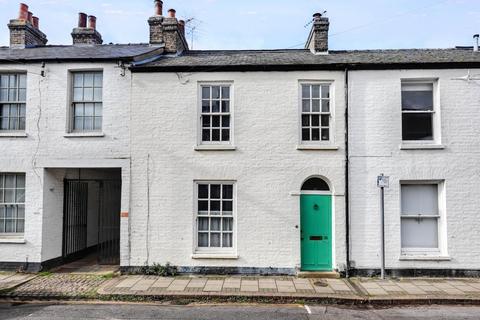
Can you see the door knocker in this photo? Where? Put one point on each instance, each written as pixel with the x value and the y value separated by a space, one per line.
pixel 315 207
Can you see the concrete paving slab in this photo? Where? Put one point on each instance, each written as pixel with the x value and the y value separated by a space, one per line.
pixel 375 292
pixel 323 290
pixel 162 283
pixel 143 284
pixel 129 281
pixel 178 285
pixel 213 286
pixel 429 288
pixel 232 283
pixel 267 284
pixel 197 283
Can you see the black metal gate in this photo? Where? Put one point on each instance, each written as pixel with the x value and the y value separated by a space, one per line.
pixel 75 218
pixel 109 223
pixel 76 206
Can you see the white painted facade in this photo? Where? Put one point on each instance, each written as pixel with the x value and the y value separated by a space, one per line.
pixel 47 153
pixel 266 166
pixel 150 131
pixel 375 147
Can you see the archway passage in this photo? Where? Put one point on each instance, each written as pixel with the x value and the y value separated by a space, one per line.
pixel 316 225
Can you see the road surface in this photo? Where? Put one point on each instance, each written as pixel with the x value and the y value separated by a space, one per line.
pixel 48 311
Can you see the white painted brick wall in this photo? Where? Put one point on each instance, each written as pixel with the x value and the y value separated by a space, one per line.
pixel 266 166
pixel 375 137
pixel 47 147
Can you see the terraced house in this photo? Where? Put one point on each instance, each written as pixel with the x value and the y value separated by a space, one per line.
pixel 238 161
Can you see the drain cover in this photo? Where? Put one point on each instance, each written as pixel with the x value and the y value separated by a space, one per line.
pixel 320 284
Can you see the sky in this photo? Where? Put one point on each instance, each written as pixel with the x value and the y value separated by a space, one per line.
pixel 266 24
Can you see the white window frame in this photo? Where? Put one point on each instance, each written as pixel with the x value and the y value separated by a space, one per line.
pixel 436 119
pixel 15 203
pixel 214 250
pixel 19 103
pixel 441 220
pixel 320 142
pixel 215 145
pixel 71 103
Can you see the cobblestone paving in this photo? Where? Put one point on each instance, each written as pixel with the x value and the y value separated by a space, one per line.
pixel 56 285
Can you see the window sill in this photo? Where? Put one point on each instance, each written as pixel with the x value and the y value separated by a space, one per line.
pixel 214 147
pixel 408 146
pixel 424 258
pixel 316 147
pixel 12 134
pixel 84 135
pixel 12 240
pixel 223 256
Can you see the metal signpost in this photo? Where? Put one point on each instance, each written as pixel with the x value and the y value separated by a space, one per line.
pixel 382 183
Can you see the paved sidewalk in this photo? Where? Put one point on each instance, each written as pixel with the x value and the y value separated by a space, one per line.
pixel 227 286
pixel 419 288
pixel 11 280
pixel 241 288
pixel 354 289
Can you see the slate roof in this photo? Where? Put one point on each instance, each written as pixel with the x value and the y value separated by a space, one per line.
pixel 301 59
pixel 75 53
pixel 249 60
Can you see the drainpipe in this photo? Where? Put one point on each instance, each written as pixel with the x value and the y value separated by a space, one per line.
pixel 347 202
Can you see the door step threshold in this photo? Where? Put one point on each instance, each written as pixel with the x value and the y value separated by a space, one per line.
pixel 318 274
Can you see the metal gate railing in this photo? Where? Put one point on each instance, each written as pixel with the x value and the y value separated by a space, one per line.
pixel 75 217
pixel 109 222
pixel 75 220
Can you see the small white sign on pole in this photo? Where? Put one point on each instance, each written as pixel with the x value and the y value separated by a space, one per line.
pixel 383 181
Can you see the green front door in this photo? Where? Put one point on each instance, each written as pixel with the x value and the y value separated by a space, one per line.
pixel 316 232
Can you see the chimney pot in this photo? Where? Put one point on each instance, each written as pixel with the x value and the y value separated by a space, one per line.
pixel 29 17
pixel 92 22
pixel 23 12
pixel 172 13
pixel 475 44
pixel 82 20
pixel 36 22
pixel 158 7
pixel 181 26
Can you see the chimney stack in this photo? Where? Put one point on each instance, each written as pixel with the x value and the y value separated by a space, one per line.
pixel 24 31
pixel 83 35
pixel 167 31
pixel 155 23
pixel 318 39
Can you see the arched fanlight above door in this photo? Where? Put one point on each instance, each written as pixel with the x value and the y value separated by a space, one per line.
pixel 315 184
